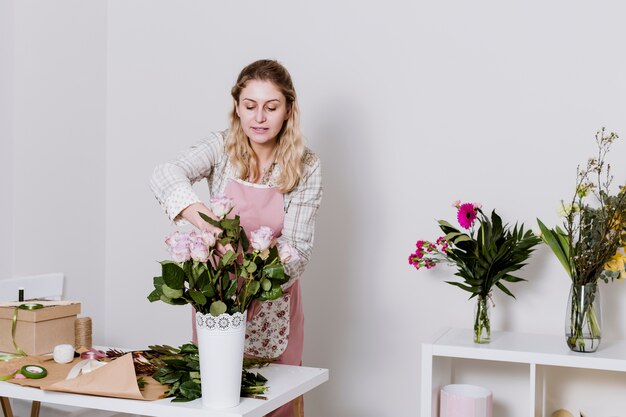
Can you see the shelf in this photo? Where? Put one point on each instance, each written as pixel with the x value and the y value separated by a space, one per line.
pixel 521 370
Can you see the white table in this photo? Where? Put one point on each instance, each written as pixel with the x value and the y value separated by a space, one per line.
pixel 285 382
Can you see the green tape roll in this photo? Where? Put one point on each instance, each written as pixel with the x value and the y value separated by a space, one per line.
pixel 34 371
pixel 30 306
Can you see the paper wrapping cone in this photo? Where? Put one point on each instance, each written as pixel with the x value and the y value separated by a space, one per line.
pixel 116 379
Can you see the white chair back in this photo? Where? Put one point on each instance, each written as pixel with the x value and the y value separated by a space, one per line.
pixel 40 287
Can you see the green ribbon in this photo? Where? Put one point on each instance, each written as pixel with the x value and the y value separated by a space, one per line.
pixel 20 352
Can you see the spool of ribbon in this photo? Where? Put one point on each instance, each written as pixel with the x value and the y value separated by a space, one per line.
pixel 63 353
pixel 93 354
pixel 34 371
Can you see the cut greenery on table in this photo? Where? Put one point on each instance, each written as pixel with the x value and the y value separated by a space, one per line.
pixel 179 368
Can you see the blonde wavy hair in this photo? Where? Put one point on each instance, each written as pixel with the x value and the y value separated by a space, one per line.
pixel 289 150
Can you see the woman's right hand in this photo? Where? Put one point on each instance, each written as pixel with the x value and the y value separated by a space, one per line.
pixel 190 213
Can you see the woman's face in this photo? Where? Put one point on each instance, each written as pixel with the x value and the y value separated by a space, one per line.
pixel 262 109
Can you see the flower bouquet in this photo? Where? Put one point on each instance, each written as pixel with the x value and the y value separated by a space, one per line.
pixel 221 282
pixel 485 255
pixel 220 275
pixel 590 245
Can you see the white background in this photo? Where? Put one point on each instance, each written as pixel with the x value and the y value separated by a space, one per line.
pixel 410 105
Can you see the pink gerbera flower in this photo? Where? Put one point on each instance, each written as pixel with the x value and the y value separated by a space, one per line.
pixel 466 215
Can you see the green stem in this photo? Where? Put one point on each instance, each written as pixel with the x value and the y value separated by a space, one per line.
pixel 481 321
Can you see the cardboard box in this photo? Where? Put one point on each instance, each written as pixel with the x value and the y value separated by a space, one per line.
pixel 37 332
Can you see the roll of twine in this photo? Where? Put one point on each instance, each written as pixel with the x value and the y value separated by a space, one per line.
pixel 82 327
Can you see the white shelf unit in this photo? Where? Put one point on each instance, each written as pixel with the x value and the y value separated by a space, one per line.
pixel 527 373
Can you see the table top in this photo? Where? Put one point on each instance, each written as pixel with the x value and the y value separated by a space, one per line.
pixel 285 383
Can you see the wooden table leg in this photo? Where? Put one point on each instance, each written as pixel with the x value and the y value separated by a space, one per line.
pixel 6 407
pixel 34 411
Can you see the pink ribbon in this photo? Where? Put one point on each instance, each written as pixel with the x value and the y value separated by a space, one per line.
pixel 93 354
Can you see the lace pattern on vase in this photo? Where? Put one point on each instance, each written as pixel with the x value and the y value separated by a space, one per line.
pixel 222 323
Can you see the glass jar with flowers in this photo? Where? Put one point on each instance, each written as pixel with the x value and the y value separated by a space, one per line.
pixel 220 275
pixel 590 245
pixel 485 255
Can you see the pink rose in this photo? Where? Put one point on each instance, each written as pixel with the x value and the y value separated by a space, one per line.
pixel 172 239
pixel 288 253
pixel 261 238
pixel 208 238
pixel 178 246
pixel 199 250
pixel 221 205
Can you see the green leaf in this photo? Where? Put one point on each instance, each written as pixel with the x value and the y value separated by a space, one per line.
pixel 170 292
pixel 228 258
pixel 209 220
pixel 252 288
pixel 504 289
pixel 217 308
pixel 232 289
pixel 276 272
pixel 203 283
pixel 445 223
pixel 462 238
pixel 190 390
pixel 243 238
pixel 452 235
pixel 154 296
pixel 272 294
pixel 266 284
pixel 463 287
pixel 250 266
pixel 557 241
pixel 511 278
pixel 198 297
pixel 230 225
pixel 173 275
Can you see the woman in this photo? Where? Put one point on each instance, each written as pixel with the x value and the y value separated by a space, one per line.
pixel 262 164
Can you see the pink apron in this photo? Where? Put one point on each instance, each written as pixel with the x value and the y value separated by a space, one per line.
pixel 275 329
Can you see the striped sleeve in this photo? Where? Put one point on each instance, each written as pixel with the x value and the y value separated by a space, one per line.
pixel 172 182
pixel 299 224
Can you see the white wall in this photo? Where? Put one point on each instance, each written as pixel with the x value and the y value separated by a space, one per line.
pixel 59 85
pixel 410 105
pixel 6 136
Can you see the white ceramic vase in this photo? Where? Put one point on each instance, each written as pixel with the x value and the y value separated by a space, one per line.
pixel 220 346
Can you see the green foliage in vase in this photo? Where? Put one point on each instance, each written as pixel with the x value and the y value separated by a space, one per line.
pixel 590 244
pixel 484 256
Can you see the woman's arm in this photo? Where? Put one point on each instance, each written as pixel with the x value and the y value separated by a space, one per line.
pixel 172 182
pixel 299 225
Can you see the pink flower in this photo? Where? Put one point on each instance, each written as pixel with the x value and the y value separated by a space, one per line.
pixel 288 253
pixel 198 250
pixel 478 206
pixel 261 238
pixel 178 246
pixel 208 238
pixel 456 204
pixel 221 205
pixel 172 239
pixel 466 215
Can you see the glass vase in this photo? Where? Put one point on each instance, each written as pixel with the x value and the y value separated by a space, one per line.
pixel 482 323
pixel 583 321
